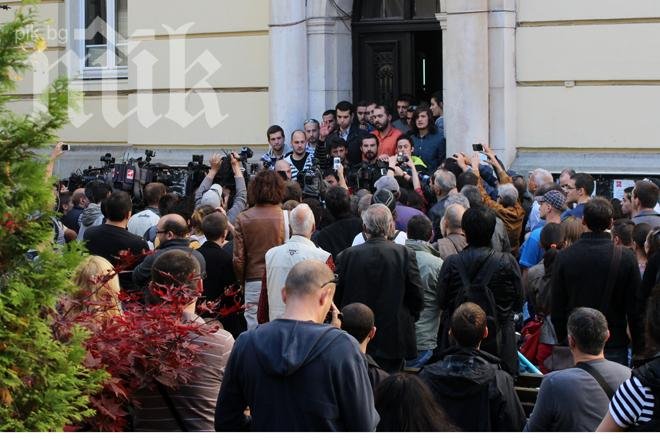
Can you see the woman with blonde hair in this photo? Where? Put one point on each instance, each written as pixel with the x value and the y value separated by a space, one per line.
pixel 98 290
pixel 572 229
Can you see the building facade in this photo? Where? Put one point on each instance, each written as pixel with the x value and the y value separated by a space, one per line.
pixel 553 84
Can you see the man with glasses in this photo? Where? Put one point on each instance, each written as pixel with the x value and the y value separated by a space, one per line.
pixel 578 192
pixel 171 232
pixel 297 373
pixel 552 204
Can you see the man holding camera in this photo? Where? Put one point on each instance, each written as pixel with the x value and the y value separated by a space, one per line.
pixel 363 175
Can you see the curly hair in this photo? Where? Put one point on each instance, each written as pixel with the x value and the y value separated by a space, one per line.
pixel 267 187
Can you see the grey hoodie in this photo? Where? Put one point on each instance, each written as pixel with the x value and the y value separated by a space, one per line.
pixel 91 216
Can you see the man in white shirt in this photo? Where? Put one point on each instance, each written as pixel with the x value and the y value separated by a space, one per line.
pixel 143 220
pixel 281 259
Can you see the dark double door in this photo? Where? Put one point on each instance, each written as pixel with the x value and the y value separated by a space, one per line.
pixel 387 63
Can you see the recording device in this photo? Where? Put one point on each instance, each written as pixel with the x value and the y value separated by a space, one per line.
pixel 65 147
pixel 478 147
pixel 401 158
pixel 368 174
pixel 336 162
pixel 311 181
pixel 246 153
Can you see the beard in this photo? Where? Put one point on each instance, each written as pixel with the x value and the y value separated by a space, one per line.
pixel 370 156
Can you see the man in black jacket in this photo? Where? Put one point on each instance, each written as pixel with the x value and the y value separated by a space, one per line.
pixel 505 284
pixel 219 270
pixel 296 373
pixel 349 131
pixel 339 235
pixel 385 277
pixel 358 321
pixel 171 232
pixel 579 279
pixel 469 384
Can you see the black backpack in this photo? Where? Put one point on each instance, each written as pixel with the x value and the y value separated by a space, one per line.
pixel 475 289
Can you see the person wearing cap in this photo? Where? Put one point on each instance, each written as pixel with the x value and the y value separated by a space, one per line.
pixel 384 196
pixel 385 277
pixel 551 206
pixel 402 214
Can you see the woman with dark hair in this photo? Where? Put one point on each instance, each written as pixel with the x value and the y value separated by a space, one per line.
pixel 651 275
pixel 429 144
pixel 538 292
pixel 636 404
pixel 405 404
pixel 259 228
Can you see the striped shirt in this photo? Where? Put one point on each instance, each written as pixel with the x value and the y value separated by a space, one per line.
pixel 195 401
pixel 309 161
pixel 633 404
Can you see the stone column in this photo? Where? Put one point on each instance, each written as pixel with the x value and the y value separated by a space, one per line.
pixel 288 91
pixel 330 55
pixel 502 70
pixel 465 65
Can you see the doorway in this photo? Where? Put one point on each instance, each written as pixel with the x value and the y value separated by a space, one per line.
pixel 397 49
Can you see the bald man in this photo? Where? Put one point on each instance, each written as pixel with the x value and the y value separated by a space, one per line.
pixel 297 373
pixel 300 159
pixel 280 260
pixel 172 232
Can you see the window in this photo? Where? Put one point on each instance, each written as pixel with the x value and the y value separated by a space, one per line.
pixel 399 9
pixel 102 45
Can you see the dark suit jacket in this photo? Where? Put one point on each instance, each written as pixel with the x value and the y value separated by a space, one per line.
pixel 354 142
pixel 385 277
pixel 579 278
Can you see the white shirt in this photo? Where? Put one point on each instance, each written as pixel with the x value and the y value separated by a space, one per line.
pixel 143 220
pixel 400 239
pixel 279 261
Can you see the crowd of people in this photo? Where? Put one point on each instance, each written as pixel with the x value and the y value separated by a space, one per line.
pixel 402 294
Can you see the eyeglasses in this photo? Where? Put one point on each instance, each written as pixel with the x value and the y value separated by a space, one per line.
pixel 161 231
pixel 334 280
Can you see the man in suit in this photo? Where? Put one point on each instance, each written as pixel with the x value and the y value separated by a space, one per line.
pixel 385 277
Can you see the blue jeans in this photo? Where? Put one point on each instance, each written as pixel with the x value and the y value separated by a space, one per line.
pixel 422 358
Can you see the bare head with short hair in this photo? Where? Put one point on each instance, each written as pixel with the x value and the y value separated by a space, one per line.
pixel 444 181
pixel 357 320
pixel 508 195
pixel 308 291
pixel 538 178
pixel 302 220
pixel 453 217
pixel 468 325
pixel 377 221
pixel 588 329
pixel 153 193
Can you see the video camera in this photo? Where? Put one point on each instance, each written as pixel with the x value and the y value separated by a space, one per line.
pixel 368 174
pixel 311 181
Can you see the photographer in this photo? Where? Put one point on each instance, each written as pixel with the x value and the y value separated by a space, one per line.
pixel 215 195
pixel 363 175
pixel 410 168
